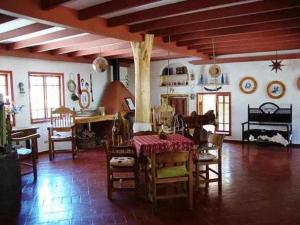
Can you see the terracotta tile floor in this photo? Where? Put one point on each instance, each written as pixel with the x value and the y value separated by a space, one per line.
pixel 260 186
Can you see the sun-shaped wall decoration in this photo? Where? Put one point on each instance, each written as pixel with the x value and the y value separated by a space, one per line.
pixel 276 64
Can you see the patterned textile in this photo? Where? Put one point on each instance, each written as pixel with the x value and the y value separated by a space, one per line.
pixel 174 142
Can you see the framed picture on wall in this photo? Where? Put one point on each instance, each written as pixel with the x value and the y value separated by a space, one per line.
pixel 130 104
pixel 248 85
pixel 275 89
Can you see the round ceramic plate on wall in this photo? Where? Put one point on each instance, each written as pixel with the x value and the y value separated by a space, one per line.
pixel 275 89
pixel 248 85
pixel 71 86
pixel 84 99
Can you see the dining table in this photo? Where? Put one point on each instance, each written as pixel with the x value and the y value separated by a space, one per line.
pixel 147 144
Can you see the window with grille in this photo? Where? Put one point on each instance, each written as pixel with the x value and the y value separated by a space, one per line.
pixel 220 103
pixel 46 92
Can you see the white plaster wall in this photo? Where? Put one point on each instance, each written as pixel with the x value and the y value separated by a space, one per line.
pixel 235 72
pixel 20 68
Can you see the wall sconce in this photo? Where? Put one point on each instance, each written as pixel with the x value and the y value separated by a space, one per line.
pixel 21 88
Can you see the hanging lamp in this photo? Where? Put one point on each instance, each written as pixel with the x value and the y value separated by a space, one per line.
pixel 100 64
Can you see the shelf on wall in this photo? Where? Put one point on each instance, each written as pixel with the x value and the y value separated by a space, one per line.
pixel 210 84
pixel 185 85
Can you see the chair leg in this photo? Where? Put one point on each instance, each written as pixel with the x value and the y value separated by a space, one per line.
pixel 137 179
pixel 191 200
pixel 33 160
pixel 109 186
pixel 50 151
pixel 73 149
pixel 219 178
pixel 206 176
pixel 154 199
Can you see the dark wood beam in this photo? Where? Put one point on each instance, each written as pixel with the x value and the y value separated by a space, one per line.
pixel 242 36
pixel 165 10
pixel 50 4
pixel 87 45
pixel 109 7
pixel 23 30
pixel 252 49
pixel 246 59
pixel 5 18
pixel 230 22
pixel 26 53
pixel 67 17
pixel 249 42
pixel 43 38
pixel 274 25
pixel 231 11
pixel 65 43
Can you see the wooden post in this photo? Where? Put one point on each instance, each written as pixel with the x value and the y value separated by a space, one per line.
pixel 142 55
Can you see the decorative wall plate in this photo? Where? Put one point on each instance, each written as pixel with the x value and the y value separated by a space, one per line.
pixel 84 99
pixel 275 89
pixel 298 82
pixel 214 70
pixel 248 85
pixel 71 86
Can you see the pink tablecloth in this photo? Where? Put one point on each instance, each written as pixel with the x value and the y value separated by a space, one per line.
pixel 149 143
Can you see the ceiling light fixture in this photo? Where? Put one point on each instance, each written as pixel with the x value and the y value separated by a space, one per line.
pixel 276 64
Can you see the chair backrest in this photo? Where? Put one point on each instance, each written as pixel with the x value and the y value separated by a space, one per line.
pixel 62 118
pixel 142 133
pixel 172 158
pixel 216 139
pixel 119 150
pixel 162 115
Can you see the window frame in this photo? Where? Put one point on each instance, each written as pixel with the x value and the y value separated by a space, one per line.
pixel 46 117
pixel 9 77
pixel 217 108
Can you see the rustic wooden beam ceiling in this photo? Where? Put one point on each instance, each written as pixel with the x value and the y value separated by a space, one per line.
pixel 109 7
pixel 163 11
pixel 50 4
pixel 23 31
pixel 267 26
pixel 226 12
pixel 241 36
pixel 246 59
pixel 43 38
pixel 88 45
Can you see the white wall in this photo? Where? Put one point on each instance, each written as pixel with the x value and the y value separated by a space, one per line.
pixel 20 68
pixel 235 72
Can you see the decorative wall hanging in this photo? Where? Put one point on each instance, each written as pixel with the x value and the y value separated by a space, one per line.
pixel 71 86
pixel 21 88
pixel 298 82
pixel 275 89
pixel 78 84
pixel 214 71
pixel 84 99
pixel 91 88
pixel 100 64
pixel 276 64
pixel 130 104
pixel 248 85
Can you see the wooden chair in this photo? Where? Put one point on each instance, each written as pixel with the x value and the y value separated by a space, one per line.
pixel 62 120
pixel 171 168
pixel 207 156
pixel 24 153
pixel 122 165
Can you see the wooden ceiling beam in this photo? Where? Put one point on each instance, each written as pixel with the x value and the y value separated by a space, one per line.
pixel 249 42
pixel 230 22
pixel 242 36
pixel 231 11
pixel 102 50
pixel 23 30
pixel 246 59
pixel 165 10
pixel 5 18
pixel 65 43
pixel 44 38
pixel 273 25
pixel 253 49
pixel 50 4
pixel 26 53
pixel 109 7
pixel 67 17
pixel 87 45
